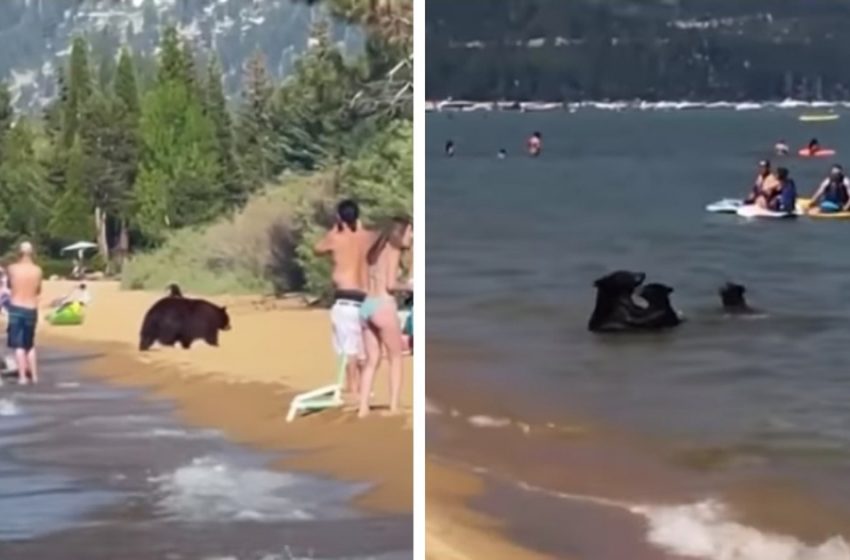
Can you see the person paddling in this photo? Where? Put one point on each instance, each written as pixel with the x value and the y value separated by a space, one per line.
pixel 833 194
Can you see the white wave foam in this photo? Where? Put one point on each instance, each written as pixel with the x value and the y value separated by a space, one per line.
pixel 705 530
pixel 8 407
pixel 482 421
pixel 68 384
pixel 431 408
pixel 166 433
pixel 209 490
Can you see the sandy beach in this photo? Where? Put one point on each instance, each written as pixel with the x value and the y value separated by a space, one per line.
pixel 243 388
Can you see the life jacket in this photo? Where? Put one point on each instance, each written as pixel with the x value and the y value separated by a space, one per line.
pixel 788 196
pixel 836 191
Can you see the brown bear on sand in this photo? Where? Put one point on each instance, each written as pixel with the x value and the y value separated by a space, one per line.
pixel 177 319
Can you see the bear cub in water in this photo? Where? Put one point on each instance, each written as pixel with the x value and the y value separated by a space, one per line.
pixel 616 310
pixel 178 319
pixel 734 302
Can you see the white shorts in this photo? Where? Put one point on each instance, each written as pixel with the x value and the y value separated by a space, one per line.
pixel 347 330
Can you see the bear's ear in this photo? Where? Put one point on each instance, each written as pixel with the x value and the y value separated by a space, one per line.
pixel 640 277
pixel 224 308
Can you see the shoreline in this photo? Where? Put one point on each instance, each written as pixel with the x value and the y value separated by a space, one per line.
pixel 244 391
pixel 604 481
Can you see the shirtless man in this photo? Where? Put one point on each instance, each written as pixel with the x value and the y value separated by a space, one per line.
pixel 25 288
pixel 347 242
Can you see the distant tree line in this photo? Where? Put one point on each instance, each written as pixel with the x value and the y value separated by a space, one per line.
pixel 627 49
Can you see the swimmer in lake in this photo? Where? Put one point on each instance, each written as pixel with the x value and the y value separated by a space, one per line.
pixel 449 148
pixel 502 153
pixel 781 148
pixel 535 144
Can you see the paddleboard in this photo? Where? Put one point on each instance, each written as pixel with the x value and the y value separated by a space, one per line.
pixel 804 152
pixel 753 211
pixel 725 206
pixel 803 205
pixel 819 118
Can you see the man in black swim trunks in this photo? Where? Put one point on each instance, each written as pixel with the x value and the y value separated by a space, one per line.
pixel 25 288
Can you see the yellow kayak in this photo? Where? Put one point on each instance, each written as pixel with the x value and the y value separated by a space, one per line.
pixel 803 205
pixel 819 118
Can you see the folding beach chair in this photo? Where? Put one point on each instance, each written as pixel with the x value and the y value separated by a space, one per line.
pixel 329 396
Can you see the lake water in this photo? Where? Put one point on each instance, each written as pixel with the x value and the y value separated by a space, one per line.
pixel 514 246
pixel 92 471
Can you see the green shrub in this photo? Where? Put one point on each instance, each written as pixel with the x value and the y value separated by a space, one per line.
pixel 252 251
pixel 268 246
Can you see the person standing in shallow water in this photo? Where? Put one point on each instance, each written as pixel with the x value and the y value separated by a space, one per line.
pixel 25 288
pixel 348 242
pixel 379 313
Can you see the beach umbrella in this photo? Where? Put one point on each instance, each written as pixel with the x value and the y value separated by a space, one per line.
pixel 80 247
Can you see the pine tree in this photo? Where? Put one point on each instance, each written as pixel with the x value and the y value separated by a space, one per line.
pixel 236 193
pixel 171 63
pixel 110 150
pixel 127 160
pixel 125 86
pixel 7 115
pixel 313 108
pixel 23 185
pixel 79 89
pixel 255 140
pixel 178 179
pixel 71 214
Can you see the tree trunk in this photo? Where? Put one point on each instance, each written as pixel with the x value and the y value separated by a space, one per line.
pixel 123 241
pixel 102 243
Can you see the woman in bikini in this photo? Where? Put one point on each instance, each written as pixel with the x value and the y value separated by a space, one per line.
pixel 379 313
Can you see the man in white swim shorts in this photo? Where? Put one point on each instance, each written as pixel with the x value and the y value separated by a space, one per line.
pixel 347 242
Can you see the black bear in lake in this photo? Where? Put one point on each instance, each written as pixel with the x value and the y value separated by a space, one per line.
pixel 734 302
pixel 616 310
pixel 178 319
pixel 659 313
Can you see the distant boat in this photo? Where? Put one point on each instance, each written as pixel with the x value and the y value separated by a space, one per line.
pixel 819 118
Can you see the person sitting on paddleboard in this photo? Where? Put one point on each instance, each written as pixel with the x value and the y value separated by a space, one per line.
pixel 814 146
pixel 535 144
pixel 765 181
pixel 785 198
pixel 781 148
pixel 833 194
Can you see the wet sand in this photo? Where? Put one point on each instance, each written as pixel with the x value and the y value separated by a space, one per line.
pixel 573 488
pixel 243 388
